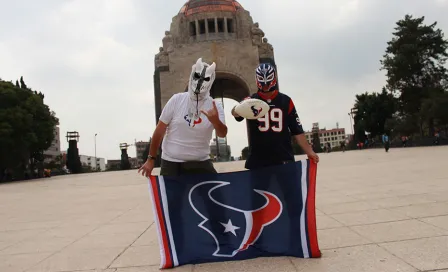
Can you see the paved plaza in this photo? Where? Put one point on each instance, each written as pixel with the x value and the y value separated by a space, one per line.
pixel 376 212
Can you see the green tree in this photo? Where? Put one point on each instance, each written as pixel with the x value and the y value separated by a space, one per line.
pixel 56 164
pixel 372 112
pixel 125 164
pixel 435 109
pixel 73 161
pixel 400 125
pixel 22 83
pixel 414 61
pixel 26 127
pixel 442 113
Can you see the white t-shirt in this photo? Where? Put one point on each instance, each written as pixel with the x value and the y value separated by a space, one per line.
pixel 182 141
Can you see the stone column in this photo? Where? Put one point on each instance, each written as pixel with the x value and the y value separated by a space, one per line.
pixel 206 28
pixel 216 26
pixel 226 29
pixel 196 23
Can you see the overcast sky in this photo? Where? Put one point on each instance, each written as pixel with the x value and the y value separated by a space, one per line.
pixel 94 59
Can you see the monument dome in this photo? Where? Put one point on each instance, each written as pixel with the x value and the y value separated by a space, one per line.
pixel 199 6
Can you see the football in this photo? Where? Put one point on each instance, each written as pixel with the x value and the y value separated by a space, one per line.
pixel 252 108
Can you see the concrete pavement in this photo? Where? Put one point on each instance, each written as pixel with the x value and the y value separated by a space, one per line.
pixel 376 212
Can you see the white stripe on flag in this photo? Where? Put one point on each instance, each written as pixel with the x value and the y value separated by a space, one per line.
pixel 156 221
pixel 167 218
pixel 302 215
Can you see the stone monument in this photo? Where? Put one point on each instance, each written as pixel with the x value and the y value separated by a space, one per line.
pixel 218 31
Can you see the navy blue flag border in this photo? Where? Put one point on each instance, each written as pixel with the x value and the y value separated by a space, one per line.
pixel 159 201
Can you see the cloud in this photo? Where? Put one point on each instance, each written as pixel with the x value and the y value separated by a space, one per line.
pixel 94 60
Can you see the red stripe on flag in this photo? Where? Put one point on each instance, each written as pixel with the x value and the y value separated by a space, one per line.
pixel 311 211
pixel 168 262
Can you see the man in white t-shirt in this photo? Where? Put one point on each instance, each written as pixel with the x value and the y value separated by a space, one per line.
pixel 186 126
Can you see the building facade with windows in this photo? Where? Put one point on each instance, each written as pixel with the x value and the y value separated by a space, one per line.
pixel 139 150
pixel 333 136
pixel 90 161
pixel 55 148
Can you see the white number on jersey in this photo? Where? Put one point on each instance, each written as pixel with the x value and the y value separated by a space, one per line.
pixel 272 120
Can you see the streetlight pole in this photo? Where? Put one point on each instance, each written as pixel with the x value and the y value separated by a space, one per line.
pixel 96 164
pixel 351 124
pixel 352 113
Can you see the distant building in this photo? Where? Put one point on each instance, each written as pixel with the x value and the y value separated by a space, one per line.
pixel 224 150
pixel 90 161
pixel 134 163
pixel 333 136
pixel 139 150
pixel 113 164
pixel 116 164
pixel 55 148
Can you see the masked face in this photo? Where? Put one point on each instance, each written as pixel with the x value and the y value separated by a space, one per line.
pixel 201 79
pixel 265 78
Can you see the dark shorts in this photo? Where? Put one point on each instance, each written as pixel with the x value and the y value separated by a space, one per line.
pixel 169 168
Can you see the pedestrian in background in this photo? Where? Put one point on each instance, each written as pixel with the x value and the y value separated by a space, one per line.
pixel 386 142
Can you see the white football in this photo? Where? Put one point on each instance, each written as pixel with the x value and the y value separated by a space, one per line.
pixel 252 108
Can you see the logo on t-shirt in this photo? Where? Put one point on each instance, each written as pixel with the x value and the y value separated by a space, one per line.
pixel 191 122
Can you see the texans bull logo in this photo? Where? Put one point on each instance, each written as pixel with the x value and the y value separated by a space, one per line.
pixel 233 230
pixel 256 111
pixel 194 123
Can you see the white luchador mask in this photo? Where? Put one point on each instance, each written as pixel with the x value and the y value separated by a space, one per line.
pixel 201 80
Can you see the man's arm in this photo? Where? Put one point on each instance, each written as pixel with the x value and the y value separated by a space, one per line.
pixel 295 126
pixel 303 143
pixel 157 138
pixel 220 128
pixel 217 118
pixel 165 118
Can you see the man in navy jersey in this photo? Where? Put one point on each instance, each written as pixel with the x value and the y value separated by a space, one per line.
pixel 270 136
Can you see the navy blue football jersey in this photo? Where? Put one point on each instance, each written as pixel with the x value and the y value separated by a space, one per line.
pixel 270 136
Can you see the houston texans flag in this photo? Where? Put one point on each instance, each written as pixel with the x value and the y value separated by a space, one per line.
pixel 236 216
